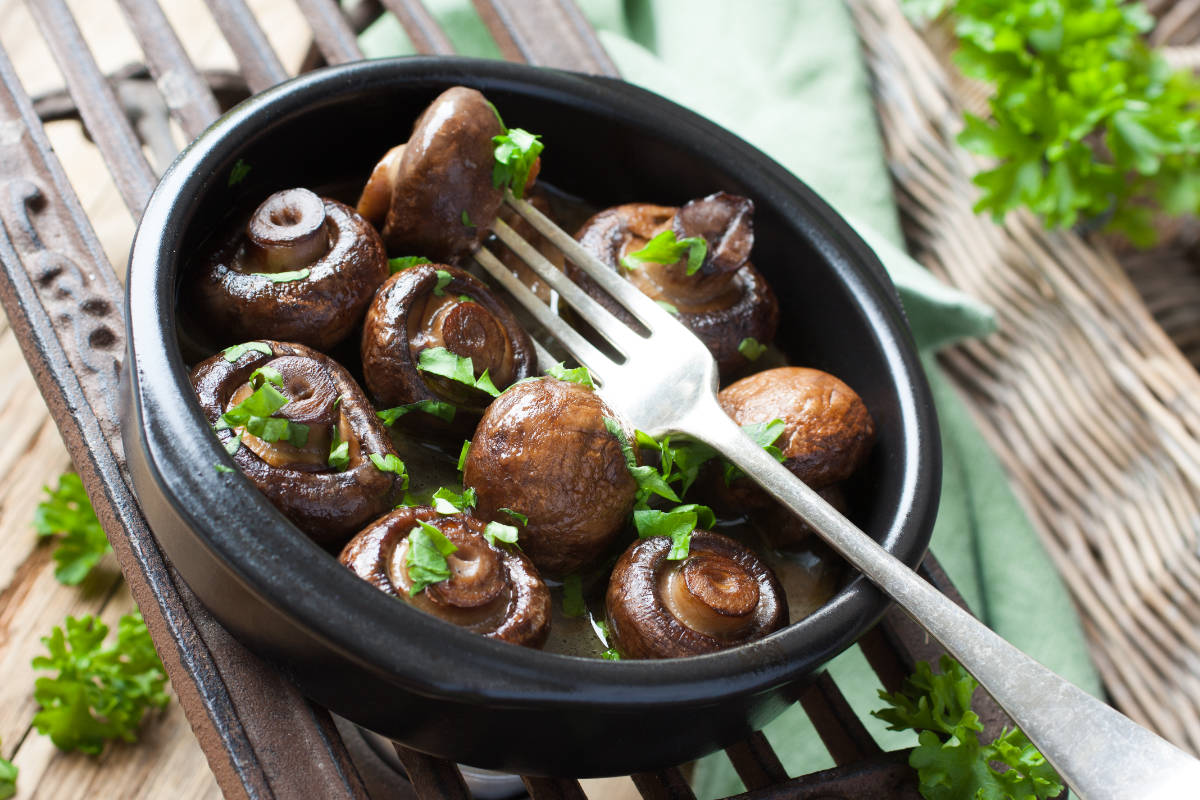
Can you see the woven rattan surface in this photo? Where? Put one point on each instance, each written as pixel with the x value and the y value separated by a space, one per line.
pixel 1090 404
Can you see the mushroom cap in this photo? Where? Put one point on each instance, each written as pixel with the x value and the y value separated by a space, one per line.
pixel 408 315
pixel 301 489
pixel 232 296
pixel 494 591
pixel 720 595
pixel 445 171
pixel 828 431
pixel 727 301
pixel 542 449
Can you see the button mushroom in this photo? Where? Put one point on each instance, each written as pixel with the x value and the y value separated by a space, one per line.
pixel 543 449
pixel 438 185
pixel 724 300
pixel 302 270
pixel 720 595
pixel 431 306
pixel 302 430
pixel 489 589
pixel 827 436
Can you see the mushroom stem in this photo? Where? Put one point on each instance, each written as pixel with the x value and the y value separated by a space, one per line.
pixel 288 231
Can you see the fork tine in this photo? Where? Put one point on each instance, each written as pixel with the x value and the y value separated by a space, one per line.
pixel 579 347
pixel 642 307
pixel 614 330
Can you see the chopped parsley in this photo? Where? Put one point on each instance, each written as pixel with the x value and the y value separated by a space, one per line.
pixel 8 779
pixel 466 298
pixel 339 452
pixel 648 479
pixel 443 280
pixel 404 262
pixel 255 415
pixel 234 444
pixel 751 348
pixel 426 559
pixel 222 469
pixel 466 220
pixel 389 462
pixel 601 629
pixel 238 174
pixel 664 249
pixel 764 435
pixel 678 524
pixel 499 532
pixel 462 454
pixel 440 361
pixel 67 512
pixel 578 375
pixel 265 374
pixel 572 599
pixel 285 277
pixel 442 410
pixel 235 352
pixel 516 515
pixel 672 310
pixel 516 151
pixel 448 501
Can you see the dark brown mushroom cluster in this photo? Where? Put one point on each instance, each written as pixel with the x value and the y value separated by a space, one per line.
pixel 560 501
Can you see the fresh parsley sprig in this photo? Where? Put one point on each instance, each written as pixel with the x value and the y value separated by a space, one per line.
pixel 404 262
pixel 515 154
pixel 255 414
pixel 8 779
pixel 678 524
pixel 437 408
pixel 951 762
pixel 67 512
pixel 440 361
pixel 665 249
pixel 98 693
pixel 426 559
pixel 1087 122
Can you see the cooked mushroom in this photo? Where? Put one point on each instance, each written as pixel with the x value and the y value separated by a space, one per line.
pixel 827 435
pixel 438 186
pixel 725 301
pixel 302 269
pixel 543 449
pixel 491 590
pixel 310 455
pixel 430 306
pixel 720 595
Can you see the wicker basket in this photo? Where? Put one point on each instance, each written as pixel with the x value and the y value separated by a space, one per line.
pixel 1085 392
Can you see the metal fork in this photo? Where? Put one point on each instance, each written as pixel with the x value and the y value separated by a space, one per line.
pixel 667 384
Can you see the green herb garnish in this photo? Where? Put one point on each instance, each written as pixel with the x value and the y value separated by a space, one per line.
pixel 664 249
pixel 517 515
pixel 234 444
pixel 516 151
pixel 68 513
pixel 440 361
pixel 255 415
pixel 8 779
pixel 499 532
pixel 950 760
pixel 678 524
pixel 443 280
pixel 388 462
pixel 764 435
pixel 751 348
pixel 578 375
pixel 222 469
pixel 462 454
pixel 404 262
pixel 238 174
pixel 648 479
pixel 285 277
pixel 670 309
pixel 441 410
pixel 426 559
pixel 448 501
pixel 466 220
pixel 232 354
pixel 339 452
pixel 99 693
pixel 265 374
pixel 572 598
pixel 601 629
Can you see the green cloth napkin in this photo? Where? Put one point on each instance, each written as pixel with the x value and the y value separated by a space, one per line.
pixel 788 76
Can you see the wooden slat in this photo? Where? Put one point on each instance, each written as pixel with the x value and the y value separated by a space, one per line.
pixel 183 89
pixel 258 61
pixel 423 31
pixel 664 784
pixel 332 32
pixel 756 762
pixel 546 33
pixel 553 788
pixel 97 103
pixel 433 778
pixel 843 733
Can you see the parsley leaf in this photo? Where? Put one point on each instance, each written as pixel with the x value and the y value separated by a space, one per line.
pixel 601 629
pixel 751 348
pixel 285 277
pixel 8 779
pixel 440 361
pixel 516 515
pixel 462 454
pixel 443 280
pixel 515 153
pixel 498 531
pixel 390 463
pixel 664 249
pixel 438 408
pixel 578 375
pixel 572 598
pixel 222 469
pixel 764 435
pixel 238 174
pixel 339 452
pixel 466 220
pixel 99 693
pixel 670 309
pixel 426 559
pixel 448 501
pixel 404 262
pixel 648 479
pixel 67 511
pixel 950 760
pixel 255 415
pixel 678 524
pixel 232 354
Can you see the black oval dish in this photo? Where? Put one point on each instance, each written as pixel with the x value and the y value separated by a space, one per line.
pixel 409 676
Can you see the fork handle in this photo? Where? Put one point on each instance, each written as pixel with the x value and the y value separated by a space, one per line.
pixel 1100 753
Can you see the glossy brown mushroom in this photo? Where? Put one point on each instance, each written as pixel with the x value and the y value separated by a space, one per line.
pixel 828 433
pixel 435 305
pixel 720 595
pixel 724 303
pixel 542 449
pixel 438 185
pixel 302 269
pixel 327 504
pixel 493 590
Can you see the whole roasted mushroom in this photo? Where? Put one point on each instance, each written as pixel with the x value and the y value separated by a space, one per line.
pixel 430 306
pixel 433 196
pixel 302 270
pixel 491 590
pixel 720 595
pixel 543 449
pixel 725 301
pixel 299 427
pixel 828 433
